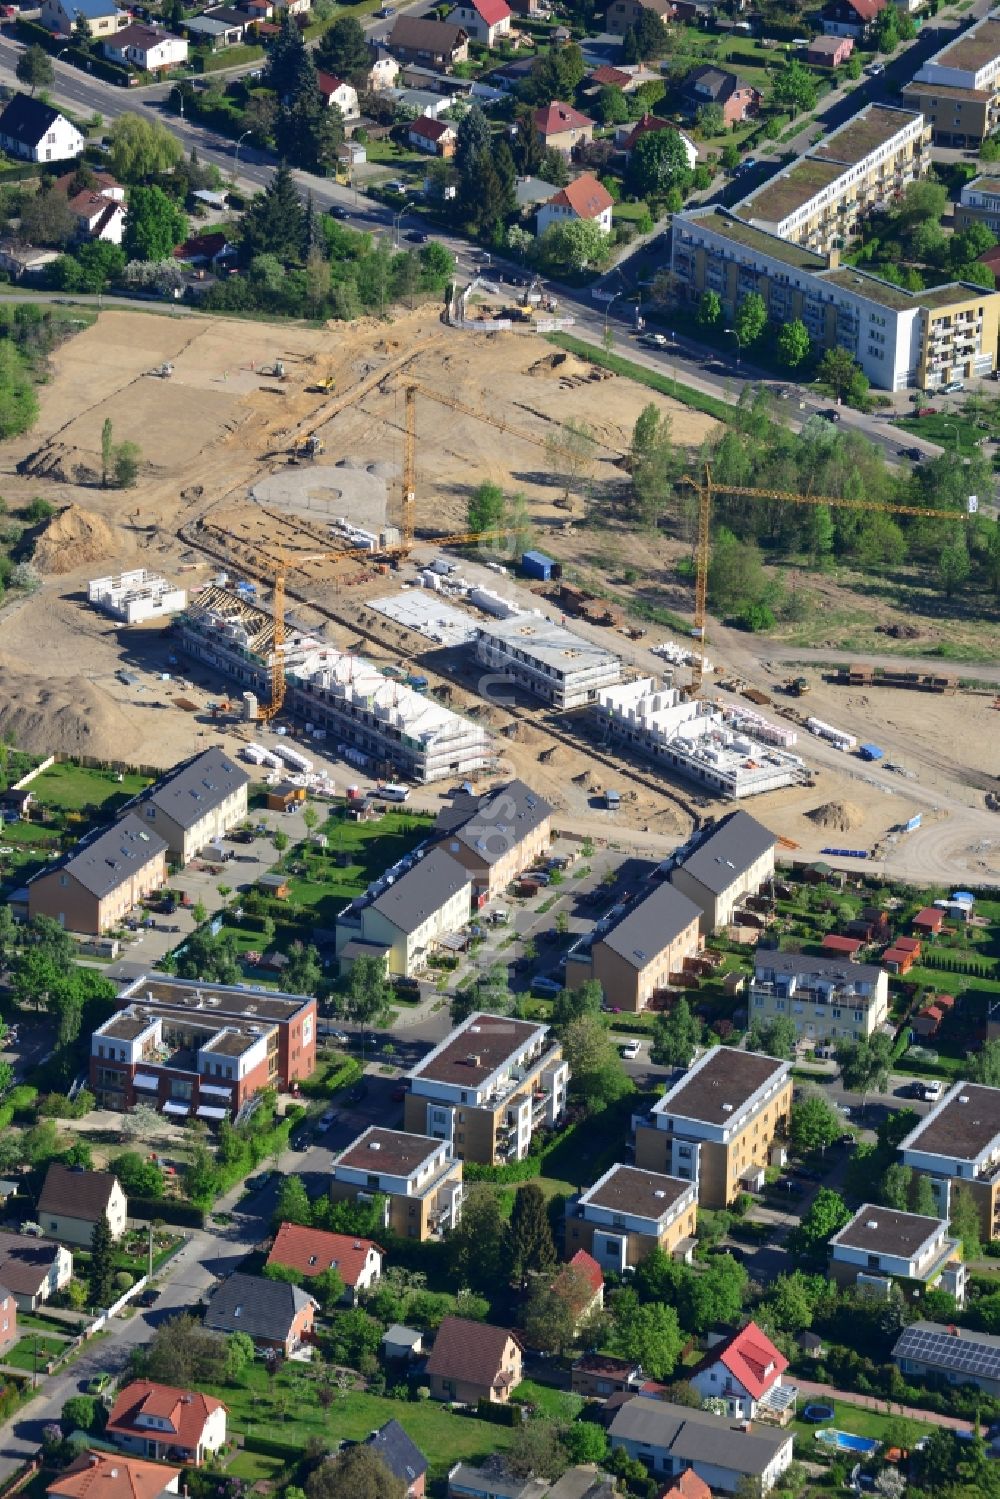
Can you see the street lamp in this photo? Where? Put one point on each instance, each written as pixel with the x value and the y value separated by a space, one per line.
pixel 607 311
pixel 236 153
pixel 395 221
pixel 739 345
pixel 958 435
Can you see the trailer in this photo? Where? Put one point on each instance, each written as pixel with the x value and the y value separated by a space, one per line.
pixel 871 752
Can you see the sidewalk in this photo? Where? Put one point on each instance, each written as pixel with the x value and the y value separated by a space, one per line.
pixel 881 1407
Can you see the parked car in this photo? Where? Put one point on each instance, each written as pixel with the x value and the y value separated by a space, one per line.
pixel 831 413
pixel 630 1050
pixel 150 1296
pixel 656 340
pixel 258 1183
pixel 953 387
pixel 337 212
pixel 543 987
pixel 327 1119
pixel 915 455
pixel 98 1384
pixel 416 236
pixel 358 1092
pixel 875 69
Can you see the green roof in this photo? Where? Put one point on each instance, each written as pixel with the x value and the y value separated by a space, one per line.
pixel 741 233
pixel 790 190
pixel 954 291
pixel 863 285
pixel 861 135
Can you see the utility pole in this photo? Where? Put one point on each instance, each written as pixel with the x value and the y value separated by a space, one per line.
pixel 149 1257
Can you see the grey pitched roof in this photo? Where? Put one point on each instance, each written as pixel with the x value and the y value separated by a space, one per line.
pixel 400 1454
pixel 27 120
pixel 651 925
pixel 108 860
pixel 191 792
pixel 697 1436
pixel 426 36
pixel 76 1194
pixel 954 1350
pixel 810 968
pixel 502 820
pixel 255 1305
pixel 25 1262
pixel 421 890
pixel 728 850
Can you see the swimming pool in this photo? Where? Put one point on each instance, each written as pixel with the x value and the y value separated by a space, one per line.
pixel 845 1441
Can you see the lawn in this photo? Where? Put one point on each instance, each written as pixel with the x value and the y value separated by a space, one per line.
pixel 74 788
pixel 22 1355
pixel 556 1405
pixel 945 430
pixel 254 1467
pixel 285 1410
pixel 356 854
pixel 851 1418
pixel 591 1148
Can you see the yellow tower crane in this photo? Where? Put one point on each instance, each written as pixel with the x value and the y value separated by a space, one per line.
pixel 707 490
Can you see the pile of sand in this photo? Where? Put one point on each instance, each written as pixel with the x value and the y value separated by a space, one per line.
pixel 62 713
pixel 560 365
pixel 837 817
pixel 74 538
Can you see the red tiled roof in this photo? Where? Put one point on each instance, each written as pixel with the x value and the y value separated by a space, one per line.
pixel 110 1475
pixel 588 1267
pixel 491 11
pixel 944 1000
pixel 587 197
pixel 469 1352
pixel 931 916
pixel 646 126
pixel 186 1410
pixel 832 942
pixel 750 1357
pixel 328 83
pixel 313 1250
pixel 201 246
pixel 610 77
pixel 431 130
pixel 867 10
pixel 687 1486
pixel 86 204
pixel 554 117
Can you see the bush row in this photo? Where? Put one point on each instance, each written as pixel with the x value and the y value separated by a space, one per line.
pixel 229 57
pixel 30 32
pixel 183 1214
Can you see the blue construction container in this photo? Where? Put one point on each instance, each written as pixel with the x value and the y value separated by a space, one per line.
pixel 871 752
pixel 537 565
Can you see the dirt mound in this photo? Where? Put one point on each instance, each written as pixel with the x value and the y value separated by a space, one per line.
pixel 837 817
pixel 558 366
pixel 60 464
pixel 62 713
pixel 73 538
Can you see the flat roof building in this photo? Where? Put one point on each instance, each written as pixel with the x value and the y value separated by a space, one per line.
pixel 958 1145
pixel 629 1212
pixel 552 663
pixel 419 1177
pixel 136 596
pixel 717 1124
pixel 882 1247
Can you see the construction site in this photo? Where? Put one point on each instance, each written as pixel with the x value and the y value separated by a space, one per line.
pixel 325 470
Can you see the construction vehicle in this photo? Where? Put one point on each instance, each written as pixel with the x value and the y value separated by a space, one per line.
pixel 162 371
pixel 275 371
pixel 309 447
pixel 707 489
pixel 326 383
pixel 796 686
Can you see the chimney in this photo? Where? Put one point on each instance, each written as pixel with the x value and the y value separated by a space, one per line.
pixel 832 260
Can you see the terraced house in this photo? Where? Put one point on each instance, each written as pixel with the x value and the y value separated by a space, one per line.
pixel 488 1087
pixel 820 200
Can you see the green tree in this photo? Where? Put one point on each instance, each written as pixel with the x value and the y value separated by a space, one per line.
pixel 676 1035
pixel 922 1199
pixel 293 1205
pixel 964 1221
pixel 107 450
pixel 46 217
pixel 486 508
pixel 814 1125
pixel 751 319
pixel 709 309
pixel 287 59
pixel 854 67
pixel 654 463
pixel 793 343
pixel 153 226
pixel 612 106
pixel 536 1450
pixel 794 88
pixel 34 68
pixel 650 1334
pixel 597 1076
pixel 79 1413
pixel 838 370
pixel 127 459
pixel 887 30
pixel 716 1295
pixel 274 224
pixel 304 971
pixel 478 1247
pixel 369 993
pixel 328 1288
pixel 530 1238
pixel 239 1356
pixel 142 148
pixel 359 1472
pixel 827 1214
pixel 570 1003
pixel 343 48
pixel 658 162
pixel 791 1302
pixel 585 1442
pixel 102 1263
pixel 710 119
pixel 865 1065
pixel 138 1176
pixel 577 243
pixel 555 1307
pixel 953 567
pixel 983 1065
pixel 18 402
pixel 896 1185
pixel 775 1038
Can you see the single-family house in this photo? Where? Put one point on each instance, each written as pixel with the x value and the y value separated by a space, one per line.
pixel 687 1485
pixel 949 1355
pixel 146 47
pixel 670 1439
pixel 166 1424
pixel 436 137
pixel 25 260
pixel 33 1269
pixel 829 51
pixel 102 16
pixel 402 1457
pixel 337 91
pixel 196 803
pixel 581 1282
pixel 215 33
pixel 708 85
pixel 853 18
pixel 213 250
pixel 72 1200
pixel 649 124
pixel 312 1251
pixel 440 43
pixel 623 14
pixel 33 131
pixel 237 21
pixel 112 1476
pixel 745 1371
pixel 562 127
pixel 99 210
pixel 585 198
pixel 8 1320
pixel 882 1247
pixel 733 860
pixel 473 1361
pixel 484 20
pixel 598 1376
pixel 275 1314
pixel 96 887
pixel 383 73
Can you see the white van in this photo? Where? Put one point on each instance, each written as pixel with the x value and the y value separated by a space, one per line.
pixel 394 793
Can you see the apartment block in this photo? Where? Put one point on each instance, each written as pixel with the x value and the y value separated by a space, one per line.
pixel 958 1144
pixel 718 1123
pixel 882 1247
pixel 488 1087
pixel 729 864
pixel 900 339
pixel 387 727
pixel 958 88
pixel 630 1212
pixel 979 203
pixel 197 1050
pixel 820 200
pixel 419 1177
pixel 546 659
pixel 827 999
pixel 498 836
pixel 642 953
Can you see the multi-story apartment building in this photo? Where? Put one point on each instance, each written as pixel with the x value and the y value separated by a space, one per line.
pixel 497 836
pixel 640 954
pixel 488 1087
pixel 717 1125
pixel 820 200
pixel 419 1177
pixel 546 659
pixel 979 203
pixel 826 999
pixel 958 1145
pixel 900 339
pixel 958 87
pixel 388 727
pixel 200 1050
pixel 882 1247
pixel 628 1213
